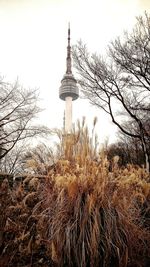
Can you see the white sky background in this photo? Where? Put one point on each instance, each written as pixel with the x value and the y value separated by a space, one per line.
pixel 33 40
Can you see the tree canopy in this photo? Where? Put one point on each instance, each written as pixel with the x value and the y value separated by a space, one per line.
pixel 18 109
pixel 119 83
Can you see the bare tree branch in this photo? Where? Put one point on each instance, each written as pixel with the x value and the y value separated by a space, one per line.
pixel 18 109
pixel 120 80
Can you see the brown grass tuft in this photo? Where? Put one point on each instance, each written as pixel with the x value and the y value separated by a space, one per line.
pixel 81 214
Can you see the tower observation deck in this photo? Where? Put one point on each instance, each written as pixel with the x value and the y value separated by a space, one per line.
pixel 68 90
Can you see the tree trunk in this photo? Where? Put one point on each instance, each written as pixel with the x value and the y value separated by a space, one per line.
pixel 146 154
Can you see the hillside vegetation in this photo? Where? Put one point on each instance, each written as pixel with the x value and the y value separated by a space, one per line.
pixel 80 214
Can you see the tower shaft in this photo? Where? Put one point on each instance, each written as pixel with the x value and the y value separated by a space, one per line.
pixel 68 114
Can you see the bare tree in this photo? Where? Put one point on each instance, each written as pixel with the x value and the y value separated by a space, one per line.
pixel 13 162
pixel 121 80
pixel 38 160
pixel 18 109
pixel 128 149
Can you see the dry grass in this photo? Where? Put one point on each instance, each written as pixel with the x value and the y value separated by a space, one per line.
pixel 93 217
pixel 82 214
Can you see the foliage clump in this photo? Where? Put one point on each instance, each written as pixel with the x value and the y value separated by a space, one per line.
pixel 80 214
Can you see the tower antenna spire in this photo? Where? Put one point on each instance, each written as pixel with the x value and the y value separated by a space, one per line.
pixel 68 71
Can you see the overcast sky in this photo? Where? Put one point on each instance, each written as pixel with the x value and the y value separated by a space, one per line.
pixel 34 39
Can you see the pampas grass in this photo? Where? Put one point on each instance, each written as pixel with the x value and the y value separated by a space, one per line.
pixel 81 214
pixel 93 217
